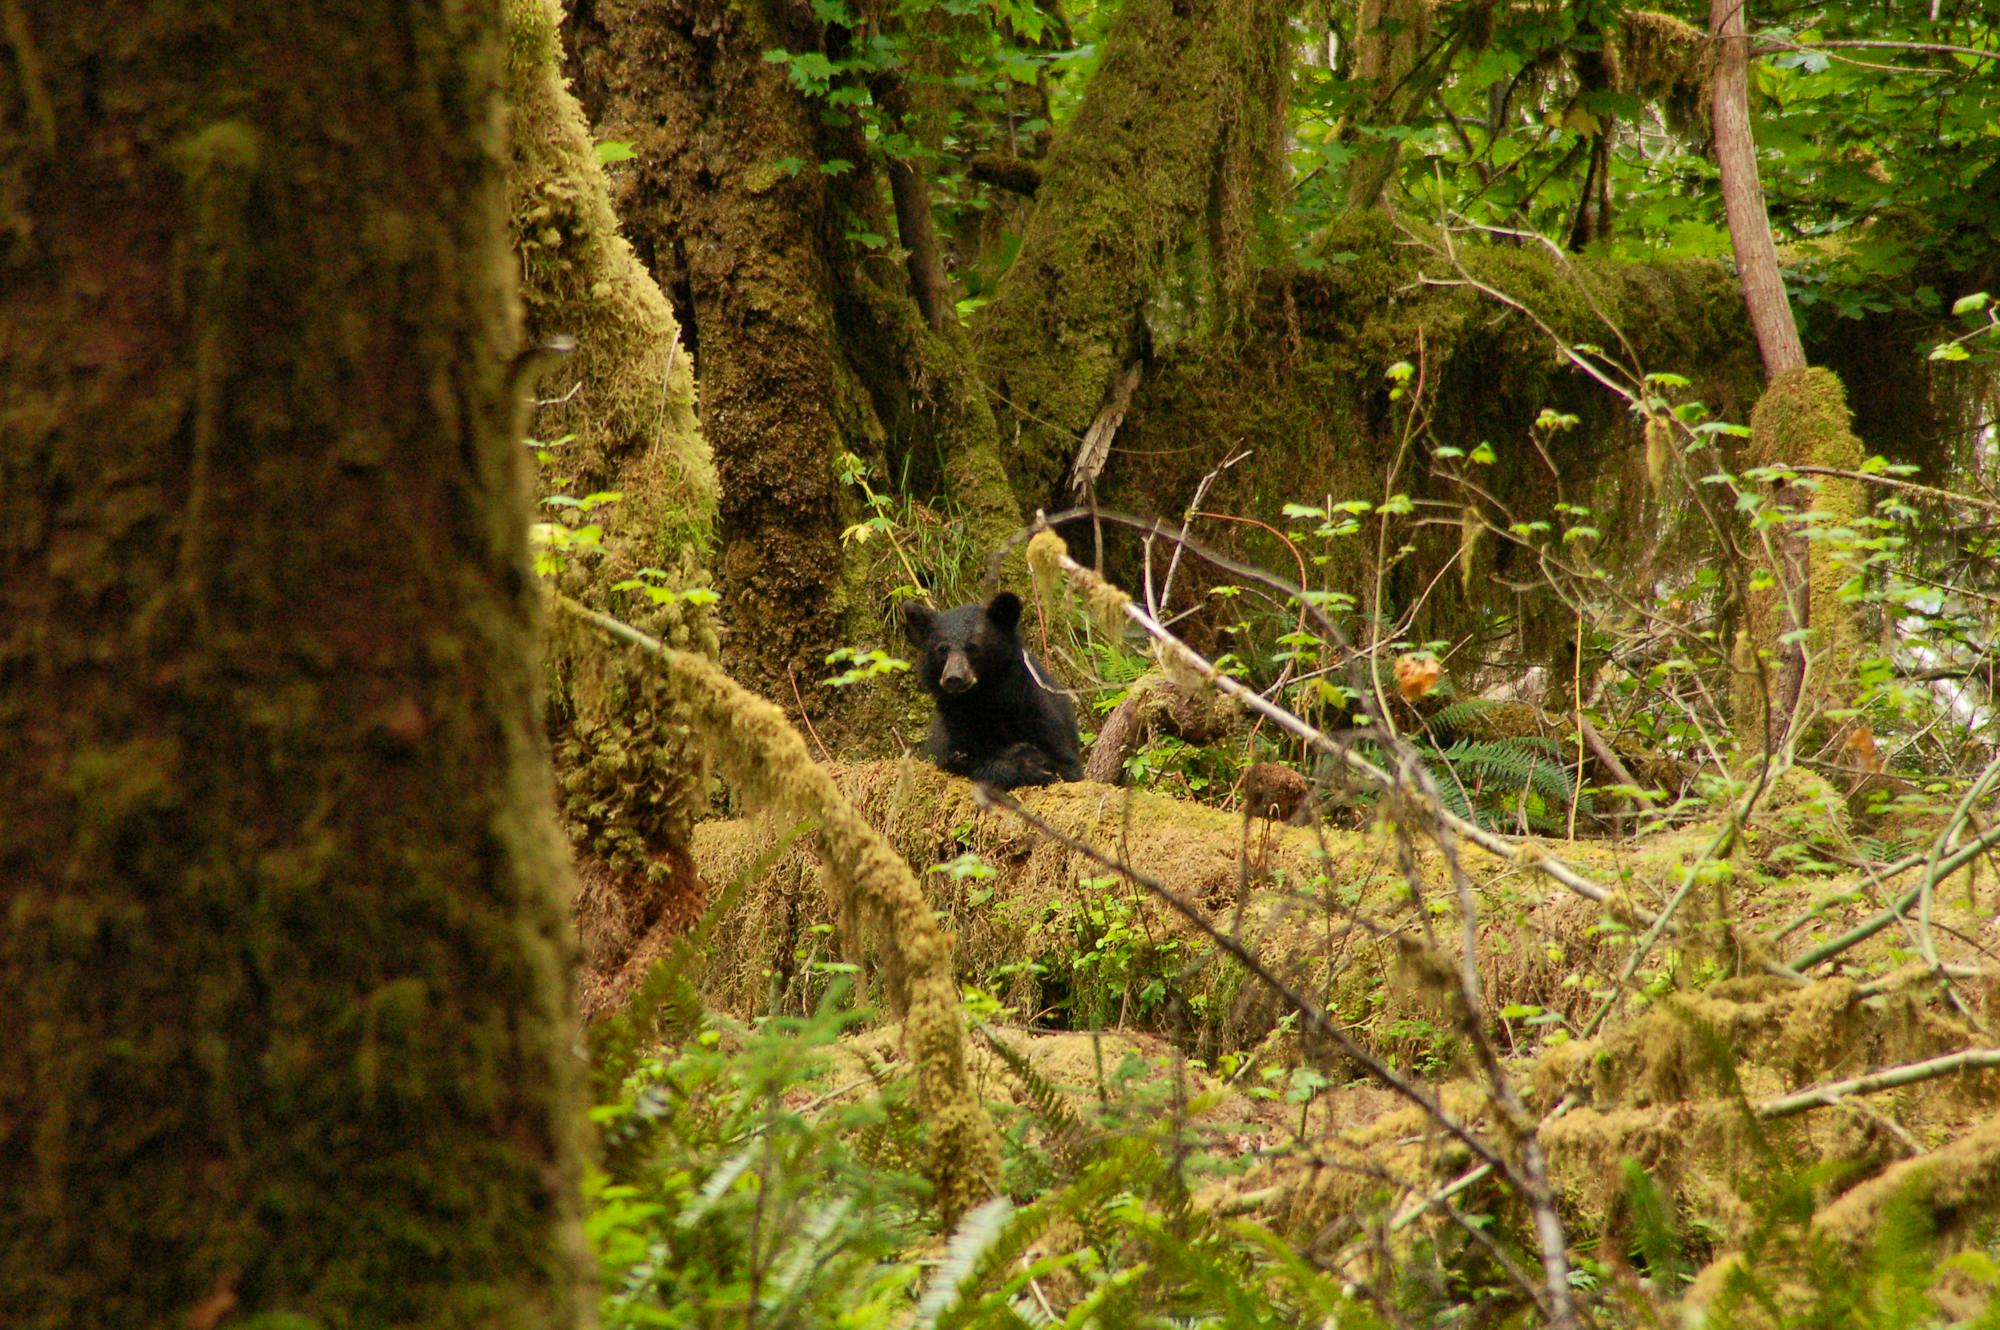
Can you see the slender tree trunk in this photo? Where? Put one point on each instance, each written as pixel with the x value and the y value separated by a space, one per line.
pixel 924 261
pixel 1389 36
pixel 1807 637
pixel 1743 195
pixel 284 957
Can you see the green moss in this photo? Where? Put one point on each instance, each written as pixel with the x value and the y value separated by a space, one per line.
pixel 631 420
pixel 1802 419
pixel 630 782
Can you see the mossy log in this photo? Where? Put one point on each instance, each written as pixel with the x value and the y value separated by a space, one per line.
pixel 1022 930
pixel 1680 1095
pixel 1034 931
pixel 1286 890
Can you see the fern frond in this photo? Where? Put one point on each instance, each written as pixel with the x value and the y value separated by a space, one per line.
pixel 975 1236
pixel 1453 718
pixel 1529 762
pixel 1064 1132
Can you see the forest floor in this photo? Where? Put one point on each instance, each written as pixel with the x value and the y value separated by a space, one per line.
pixel 1716 1079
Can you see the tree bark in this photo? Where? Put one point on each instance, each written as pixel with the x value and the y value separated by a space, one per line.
pixel 1743 195
pixel 284 955
pixel 728 205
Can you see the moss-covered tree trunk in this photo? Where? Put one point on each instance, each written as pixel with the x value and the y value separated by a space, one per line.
pixel 1806 637
pixel 284 957
pixel 738 231
pixel 629 779
pixel 1178 127
pixel 806 348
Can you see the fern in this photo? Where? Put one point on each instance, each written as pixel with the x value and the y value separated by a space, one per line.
pixel 977 1234
pixel 998 1269
pixel 1493 774
pixel 1062 1130
pixel 1453 718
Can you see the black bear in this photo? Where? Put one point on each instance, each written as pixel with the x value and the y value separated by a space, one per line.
pixel 998 721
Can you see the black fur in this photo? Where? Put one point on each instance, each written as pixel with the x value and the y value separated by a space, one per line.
pixel 995 723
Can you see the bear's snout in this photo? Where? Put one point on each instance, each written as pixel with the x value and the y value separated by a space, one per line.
pixel 958 676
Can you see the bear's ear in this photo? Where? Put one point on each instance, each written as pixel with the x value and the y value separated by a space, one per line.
pixel 917 620
pixel 1005 611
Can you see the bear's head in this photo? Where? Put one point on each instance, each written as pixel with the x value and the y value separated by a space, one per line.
pixel 962 648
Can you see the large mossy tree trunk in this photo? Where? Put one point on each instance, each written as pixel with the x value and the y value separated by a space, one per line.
pixel 727 207
pixel 807 349
pixel 1175 138
pixel 630 778
pixel 284 950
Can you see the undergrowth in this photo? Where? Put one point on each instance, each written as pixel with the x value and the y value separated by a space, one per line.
pixel 768 1174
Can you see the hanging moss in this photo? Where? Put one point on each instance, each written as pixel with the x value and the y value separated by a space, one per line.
pixel 867 883
pixel 1667 61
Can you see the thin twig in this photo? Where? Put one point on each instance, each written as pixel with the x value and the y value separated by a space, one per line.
pixel 1187 522
pixel 1892 482
pixel 792 678
pixel 1609 757
pixel 1822 1096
